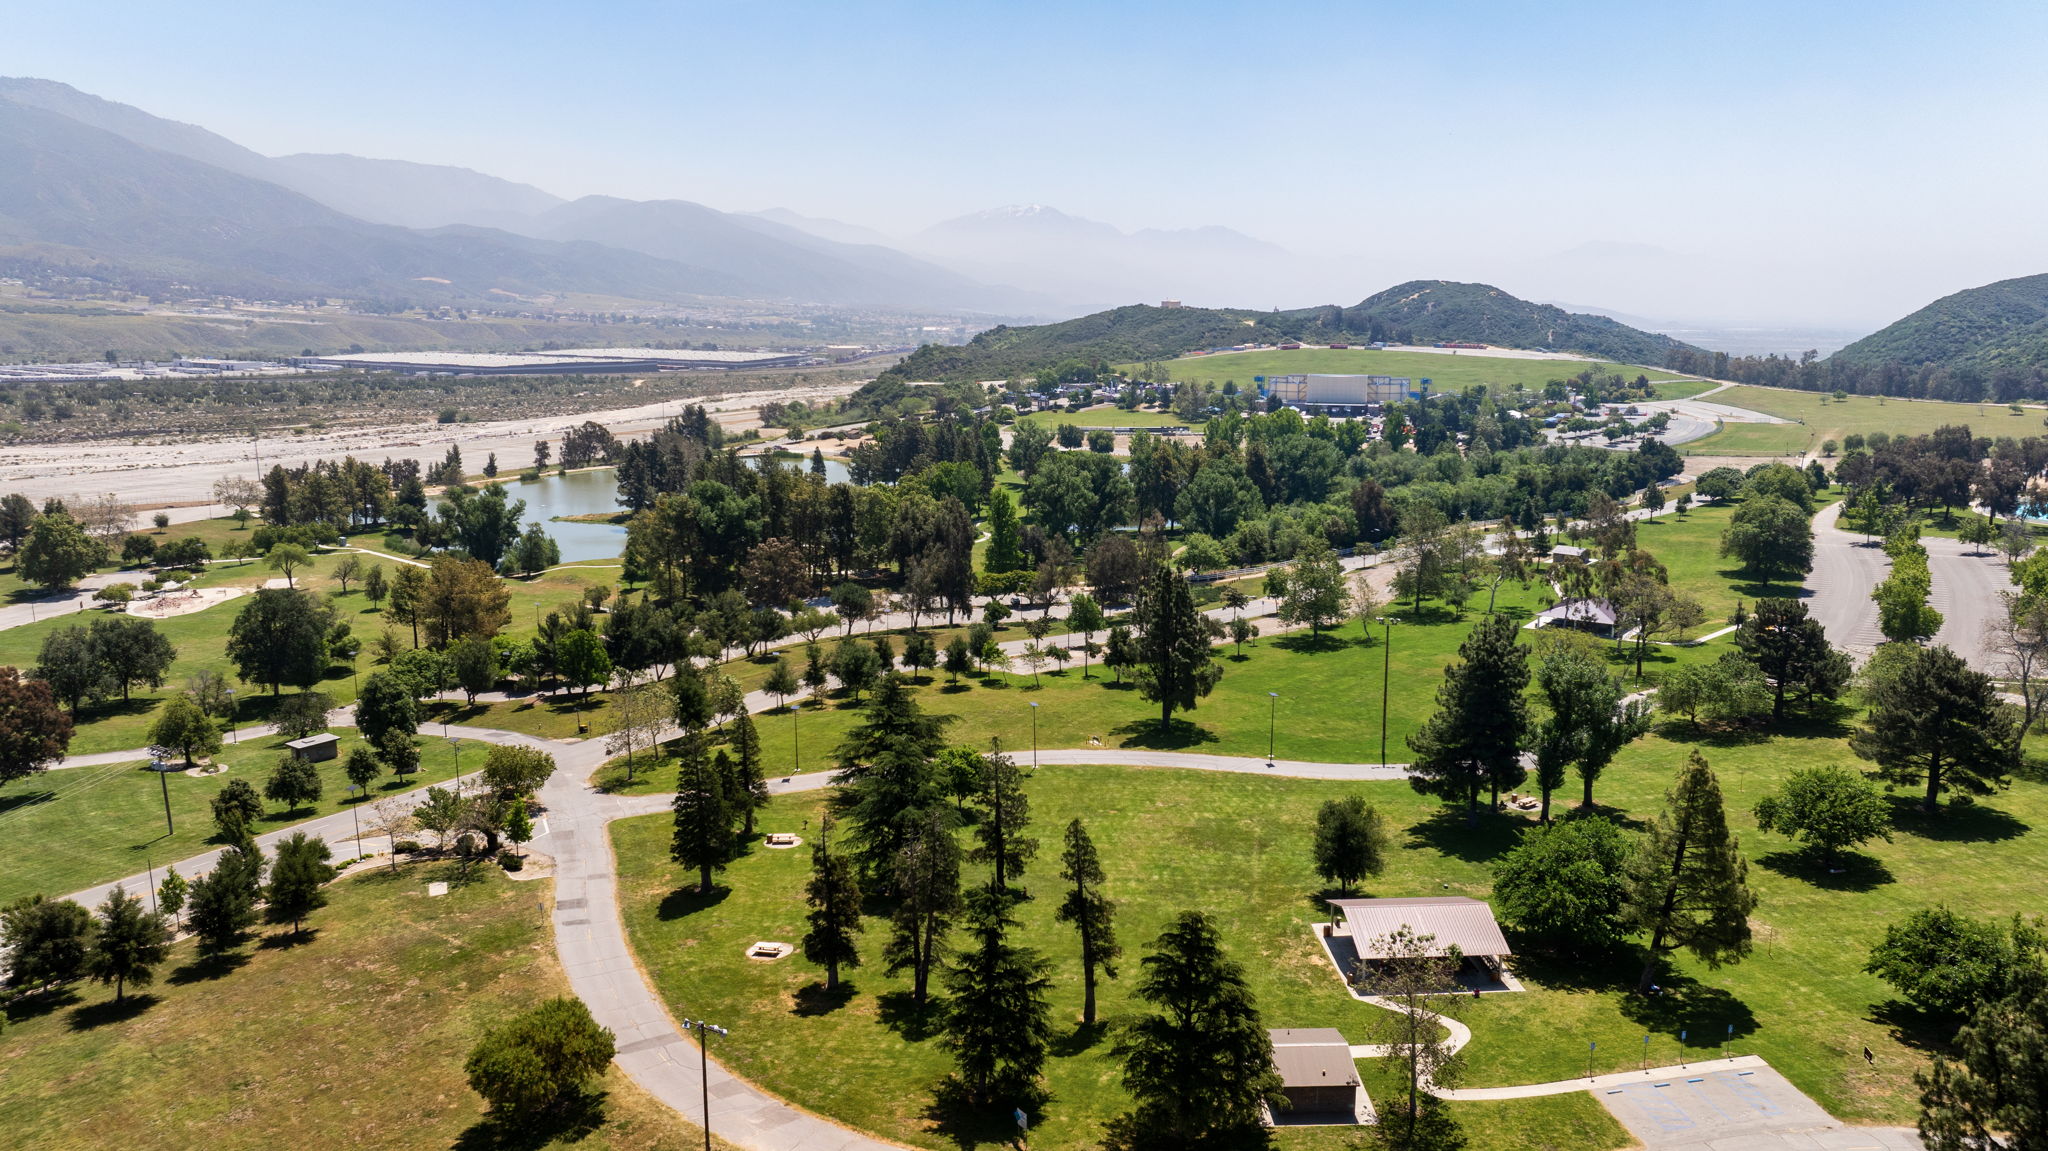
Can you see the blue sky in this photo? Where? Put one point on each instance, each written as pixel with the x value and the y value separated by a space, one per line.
pixel 1876 154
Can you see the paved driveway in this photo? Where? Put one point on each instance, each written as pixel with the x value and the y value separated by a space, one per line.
pixel 1845 569
pixel 1754 1109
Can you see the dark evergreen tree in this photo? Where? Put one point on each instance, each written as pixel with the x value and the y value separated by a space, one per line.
pixel 1199 1068
pixel 1091 912
pixel 299 872
pixel 1939 723
pixel 887 778
pixel 1792 650
pixel 45 940
pixel 1689 885
pixel 1474 740
pixel 927 881
pixel 705 815
pixel 1003 812
pixel 1175 666
pixel 127 944
pixel 1993 1096
pixel 223 901
pixel 998 1023
pixel 834 896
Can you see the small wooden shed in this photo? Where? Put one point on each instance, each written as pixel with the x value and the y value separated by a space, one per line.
pixel 315 748
pixel 1317 1073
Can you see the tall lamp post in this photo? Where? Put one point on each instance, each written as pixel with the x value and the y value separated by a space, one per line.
pixel 1034 735
pixel 163 779
pixel 1272 723
pixel 455 752
pixel 704 1033
pixel 1386 678
pixel 355 809
pixel 796 751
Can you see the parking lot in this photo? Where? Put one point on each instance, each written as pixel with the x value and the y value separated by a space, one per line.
pixel 1747 1110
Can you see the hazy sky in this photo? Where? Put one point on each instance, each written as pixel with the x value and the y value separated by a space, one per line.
pixel 1807 162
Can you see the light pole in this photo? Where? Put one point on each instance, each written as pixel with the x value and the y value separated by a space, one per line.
pixel 455 751
pixel 163 779
pixel 1386 678
pixel 356 809
pixel 796 750
pixel 704 1032
pixel 1034 735
pixel 1272 723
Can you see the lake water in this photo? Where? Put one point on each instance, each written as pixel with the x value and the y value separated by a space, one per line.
pixel 835 470
pixel 576 494
pixel 597 492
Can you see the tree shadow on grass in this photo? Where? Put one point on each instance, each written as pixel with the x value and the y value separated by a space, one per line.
pixel 900 1013
pixel 689 901
pixel 1915 1028
pixel 100 1014
pixel 1964 823
pixel 572 1121
pixel 207 968
pixel 36 1004
pixel 1851 871
pixel 1447 832
pixel 967 1124
pixel 1683 1003
pixel 1749 587
pixel 813 999
pixel 1303 643
pixel 24 799
pixel 1082 1038
pixel 287 939
pixel 1550 964
pixel 1175 736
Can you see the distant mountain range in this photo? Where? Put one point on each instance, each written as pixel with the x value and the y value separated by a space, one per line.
pixel 1420 311
pixel 1997 326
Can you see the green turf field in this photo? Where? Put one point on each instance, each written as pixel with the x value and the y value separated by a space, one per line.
pixel 1447 372
pixel 1820 418
pixel 1110 417
pixel 352 1037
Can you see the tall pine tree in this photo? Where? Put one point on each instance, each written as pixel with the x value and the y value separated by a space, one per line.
pixel 127 944
pixel 887 779
pixel 1091 912
pixel 1005 536
pixel 1004 811
pixel 748 772
pixel 927 900
pixel 1689 883
pixel 834 896
pixel 1475 738
pixel 998 1023
pixel 1201 1066
pixel 1937 722
pixel 704 815
pixel 1175 665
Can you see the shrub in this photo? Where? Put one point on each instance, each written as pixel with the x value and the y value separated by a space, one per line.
pixel 540 1061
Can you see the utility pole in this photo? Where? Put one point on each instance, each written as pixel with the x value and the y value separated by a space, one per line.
pixel 704 1032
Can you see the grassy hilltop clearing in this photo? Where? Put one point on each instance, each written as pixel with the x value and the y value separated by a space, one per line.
pixel 1818 418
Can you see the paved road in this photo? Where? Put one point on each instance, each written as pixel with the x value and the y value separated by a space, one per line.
pixel 1845 569
pixel 1967 588
pixel 1733 1105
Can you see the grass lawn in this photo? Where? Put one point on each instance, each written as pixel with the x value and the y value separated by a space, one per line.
pixel 1227 844
pixel 1236 846
pixel 1822 418
pixel 355 1038
pixel 1689 547
pixel 1446 372
pixel 1105 417
pixel 201 637
pixel 75 827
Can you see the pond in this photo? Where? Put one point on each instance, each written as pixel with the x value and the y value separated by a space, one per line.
pixel 596 492
pixel 576 494
pixel 835 470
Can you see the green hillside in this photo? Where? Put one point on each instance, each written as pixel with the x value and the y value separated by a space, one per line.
pixel 1448 373
pixel 1420 311
pixel 2001 325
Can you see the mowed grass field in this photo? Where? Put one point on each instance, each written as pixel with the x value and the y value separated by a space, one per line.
pixel 1237 846
pixel 352 1038
pixel 1227 844
pixel 1818 417
pixel 1446 372
pixel 72 828
pixel 1109 417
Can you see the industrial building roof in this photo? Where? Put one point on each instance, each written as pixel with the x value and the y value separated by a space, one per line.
pixel 1453 920
pixel 679 355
